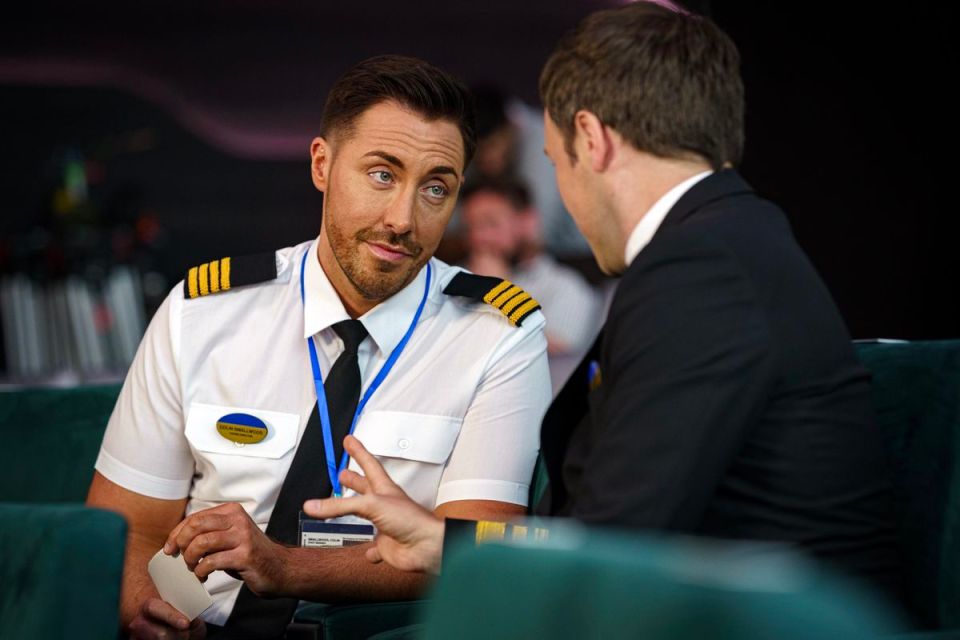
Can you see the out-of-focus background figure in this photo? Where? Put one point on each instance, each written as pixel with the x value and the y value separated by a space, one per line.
pixel 504 239
pixel 510 145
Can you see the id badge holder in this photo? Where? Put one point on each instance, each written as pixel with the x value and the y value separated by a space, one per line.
pixel 335 533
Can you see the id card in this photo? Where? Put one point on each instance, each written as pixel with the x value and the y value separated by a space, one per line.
pixel 330 534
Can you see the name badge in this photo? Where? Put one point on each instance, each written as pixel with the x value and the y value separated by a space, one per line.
pixel 242 428
pixel 327 534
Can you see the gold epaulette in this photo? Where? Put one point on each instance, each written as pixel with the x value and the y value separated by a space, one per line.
pixel 488 531
pixel 509 299
pixel 226 273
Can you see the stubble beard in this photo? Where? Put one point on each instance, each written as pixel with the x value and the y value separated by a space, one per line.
pixel 383 279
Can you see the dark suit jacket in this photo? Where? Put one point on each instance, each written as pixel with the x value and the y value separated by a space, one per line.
pixel 731 404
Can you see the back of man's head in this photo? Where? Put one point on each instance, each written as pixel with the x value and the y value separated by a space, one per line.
pixel 668 82
pixel 411 82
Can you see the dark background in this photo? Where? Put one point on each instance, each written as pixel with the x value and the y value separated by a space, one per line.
pixel 198 116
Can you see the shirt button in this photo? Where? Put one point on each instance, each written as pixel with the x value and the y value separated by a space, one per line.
pixel 403 443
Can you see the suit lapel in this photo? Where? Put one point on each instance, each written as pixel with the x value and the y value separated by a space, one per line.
pixel 564 414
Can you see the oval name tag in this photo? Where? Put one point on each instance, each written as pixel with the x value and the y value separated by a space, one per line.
pixel 242 428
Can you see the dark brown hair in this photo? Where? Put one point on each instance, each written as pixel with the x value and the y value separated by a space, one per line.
pixel 510 189
pixel 414 83
pixel 668 82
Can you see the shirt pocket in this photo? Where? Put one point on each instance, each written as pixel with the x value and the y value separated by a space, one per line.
pixel 201 431
pixel 412 447
pixel 412 436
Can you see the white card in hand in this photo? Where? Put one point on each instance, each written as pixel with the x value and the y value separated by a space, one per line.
pixel 178 585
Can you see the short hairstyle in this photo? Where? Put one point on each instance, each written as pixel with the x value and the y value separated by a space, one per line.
pixel 414 83
pixel 510 189
pixel 668 82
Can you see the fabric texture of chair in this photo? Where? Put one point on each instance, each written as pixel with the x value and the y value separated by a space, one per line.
pixel 412 632
pixel 603 585
pixel 51 439
pixel 916 392
pixel 539 483
pixel 61 570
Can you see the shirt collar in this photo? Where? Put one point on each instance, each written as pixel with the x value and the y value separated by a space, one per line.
pixel 643 233
pixel 386 323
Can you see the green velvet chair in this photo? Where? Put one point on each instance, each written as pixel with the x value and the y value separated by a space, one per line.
pixel 60 573
pixel 916 393
pixel 50 441
pixel 602 585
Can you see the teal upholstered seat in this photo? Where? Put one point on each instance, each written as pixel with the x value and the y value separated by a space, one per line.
pixel 50 441
pixel 916 392
pixel 602 585
pixel 60 572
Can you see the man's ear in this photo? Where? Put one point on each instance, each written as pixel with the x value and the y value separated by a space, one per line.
pixel 320 163
pixel 592 140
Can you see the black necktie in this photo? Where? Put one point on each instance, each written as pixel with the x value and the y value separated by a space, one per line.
pixel 343 383
pixel 252 616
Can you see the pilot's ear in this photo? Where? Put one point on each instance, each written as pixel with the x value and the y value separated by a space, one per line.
pixel 319 163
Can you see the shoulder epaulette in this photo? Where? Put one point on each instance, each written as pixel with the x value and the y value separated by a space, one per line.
pixel 509 299
pixel 227 273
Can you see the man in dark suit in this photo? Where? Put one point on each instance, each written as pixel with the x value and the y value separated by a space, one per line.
pixel 723 397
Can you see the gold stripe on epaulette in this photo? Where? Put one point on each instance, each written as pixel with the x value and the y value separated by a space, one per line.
pixel 512 301
pixel 215 276
pixel 491 531
pixel 496 291
pixel 192 285
pixel 516 302
pixel 204 278
pixel 209 277
pixel 519 532
pixel 225 274
pixel 506 296
pixel 517 315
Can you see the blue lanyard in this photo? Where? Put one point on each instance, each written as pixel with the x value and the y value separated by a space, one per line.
pixel 332 470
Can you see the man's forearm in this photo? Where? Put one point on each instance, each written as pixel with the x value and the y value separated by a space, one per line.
pixel 345 575
pixel 148 521
pixel 137 585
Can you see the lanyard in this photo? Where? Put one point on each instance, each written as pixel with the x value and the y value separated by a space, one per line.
pixel 332 470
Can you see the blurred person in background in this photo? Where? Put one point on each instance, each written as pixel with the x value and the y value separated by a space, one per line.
pixel 503 232
pixel 510 143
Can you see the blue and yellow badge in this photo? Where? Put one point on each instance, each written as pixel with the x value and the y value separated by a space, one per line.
pixel 242 428
pixel 594 377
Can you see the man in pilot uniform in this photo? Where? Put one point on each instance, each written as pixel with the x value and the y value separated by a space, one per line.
pixel 235 404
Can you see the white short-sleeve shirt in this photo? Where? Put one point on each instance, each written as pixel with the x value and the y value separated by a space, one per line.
pixel 457 418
